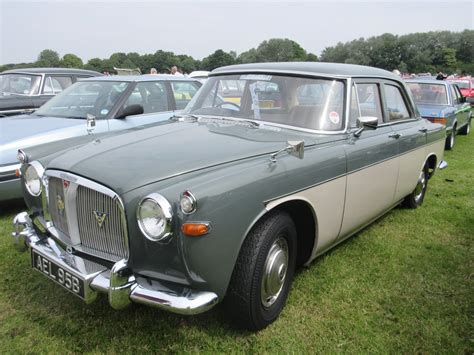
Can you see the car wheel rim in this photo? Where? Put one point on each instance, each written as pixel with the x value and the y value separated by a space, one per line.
pixel 274 272
pixel 420 187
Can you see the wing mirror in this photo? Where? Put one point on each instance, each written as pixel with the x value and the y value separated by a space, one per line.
pixel 90 123
pixel 294 148
pixel 366 122
pixel 130 110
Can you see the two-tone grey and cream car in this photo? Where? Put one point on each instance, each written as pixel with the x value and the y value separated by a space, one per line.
pixel 224 202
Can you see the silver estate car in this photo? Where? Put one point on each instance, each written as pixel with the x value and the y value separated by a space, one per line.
pixel 99 104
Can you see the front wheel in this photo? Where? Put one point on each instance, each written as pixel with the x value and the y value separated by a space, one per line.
pixel 417 196
pixel 263 273
pixel 450 139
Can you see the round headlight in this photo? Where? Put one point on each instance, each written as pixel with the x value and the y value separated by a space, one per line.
pixel 154 215
pixel 33 174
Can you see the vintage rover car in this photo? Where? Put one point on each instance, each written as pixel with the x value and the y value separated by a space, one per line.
pixel 24 90
pixel 224 202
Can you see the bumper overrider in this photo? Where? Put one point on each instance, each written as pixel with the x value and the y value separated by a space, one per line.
pixel 119 282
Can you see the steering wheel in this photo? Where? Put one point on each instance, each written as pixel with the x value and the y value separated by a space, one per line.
pixel 220 104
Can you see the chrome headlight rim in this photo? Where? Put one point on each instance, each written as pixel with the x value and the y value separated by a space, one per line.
pixel 39 170
pixel 167 212
pixel 189 197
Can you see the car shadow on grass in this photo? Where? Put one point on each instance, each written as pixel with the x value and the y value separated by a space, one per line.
pixel 11 207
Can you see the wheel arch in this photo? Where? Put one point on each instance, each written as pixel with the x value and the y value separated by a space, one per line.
pixel 431 161
pixel 306 223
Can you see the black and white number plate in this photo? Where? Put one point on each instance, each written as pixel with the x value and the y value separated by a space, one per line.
pixel 59 275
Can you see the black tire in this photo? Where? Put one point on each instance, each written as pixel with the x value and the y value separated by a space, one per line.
pixel 415 199
pixel 467 128
pixel 450 139
pixel 244 301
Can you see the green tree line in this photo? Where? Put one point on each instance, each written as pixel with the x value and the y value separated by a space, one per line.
pixel 417 52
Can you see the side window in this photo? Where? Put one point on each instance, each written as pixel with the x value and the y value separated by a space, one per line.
pixel 152 95
pixel 56 84
pixel 369 101
pixel 458 90
pixel 454 95
pixel 183 93
pixel 355 111
pixel 396 106
pixel 60 83
pixel 48 86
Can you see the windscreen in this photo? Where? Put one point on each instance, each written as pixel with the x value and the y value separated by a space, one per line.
pixel 316 104
pixel 97 98
pixel 19 84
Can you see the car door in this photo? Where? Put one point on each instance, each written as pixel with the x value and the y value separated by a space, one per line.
pixel 410 133
pixel 372 162
pixel 154 97
pixel 462 108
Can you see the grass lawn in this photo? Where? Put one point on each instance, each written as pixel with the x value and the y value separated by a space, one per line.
pixel 403 285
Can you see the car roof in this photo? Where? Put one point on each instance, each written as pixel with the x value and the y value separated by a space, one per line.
pixel 427 81
pixel 140 78
pixel 308 68
pixel 51 71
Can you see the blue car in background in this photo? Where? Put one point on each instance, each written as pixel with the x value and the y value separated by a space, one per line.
pixel 96 105
pixel 441 101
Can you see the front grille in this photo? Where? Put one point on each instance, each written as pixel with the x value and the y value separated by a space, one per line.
pixel 106 236
pixel 88 216
pixel 57 205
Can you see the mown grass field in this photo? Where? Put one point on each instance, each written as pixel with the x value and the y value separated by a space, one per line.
pixel 403 285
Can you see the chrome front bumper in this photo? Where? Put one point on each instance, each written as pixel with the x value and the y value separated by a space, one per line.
pixel 119 283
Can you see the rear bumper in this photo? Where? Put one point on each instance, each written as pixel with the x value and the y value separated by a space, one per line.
pixel 119 282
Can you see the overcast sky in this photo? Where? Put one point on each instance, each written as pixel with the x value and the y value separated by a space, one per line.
pixel 98 29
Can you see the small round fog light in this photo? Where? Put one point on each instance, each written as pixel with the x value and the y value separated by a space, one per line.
pixel 187 203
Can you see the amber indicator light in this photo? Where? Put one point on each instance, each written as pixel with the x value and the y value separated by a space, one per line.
pixel 440 120
pixel 195 229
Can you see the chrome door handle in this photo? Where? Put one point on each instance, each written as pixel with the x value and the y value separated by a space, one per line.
pixel 395 135
pixel 423 130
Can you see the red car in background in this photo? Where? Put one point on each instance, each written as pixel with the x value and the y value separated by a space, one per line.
pixel 466 85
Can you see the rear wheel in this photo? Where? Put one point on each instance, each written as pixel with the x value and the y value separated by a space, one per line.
pixel 467 128
pixel 416 198
pixel 450 139
pixel 263 273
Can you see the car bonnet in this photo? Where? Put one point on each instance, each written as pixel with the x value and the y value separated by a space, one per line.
pixel 142 156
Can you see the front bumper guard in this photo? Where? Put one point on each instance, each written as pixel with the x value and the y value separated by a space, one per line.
pixel 119 283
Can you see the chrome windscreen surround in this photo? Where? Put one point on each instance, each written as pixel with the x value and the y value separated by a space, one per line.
pixel 86 216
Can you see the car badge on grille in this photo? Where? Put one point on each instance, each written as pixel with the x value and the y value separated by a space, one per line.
pixel 66 184
pixel 60 204
pixel 100 217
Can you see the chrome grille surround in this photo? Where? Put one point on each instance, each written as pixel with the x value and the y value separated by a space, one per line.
pixel 77 227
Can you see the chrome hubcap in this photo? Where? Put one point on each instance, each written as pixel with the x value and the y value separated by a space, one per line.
pixel 420 186
pixel 274 272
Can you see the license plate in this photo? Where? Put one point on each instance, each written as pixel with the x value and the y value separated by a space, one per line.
pixel 59 275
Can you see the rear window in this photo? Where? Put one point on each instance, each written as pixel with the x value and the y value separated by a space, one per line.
pixel 429 94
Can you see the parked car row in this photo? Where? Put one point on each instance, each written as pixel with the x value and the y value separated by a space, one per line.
pixel 94 105
pixel 269 166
